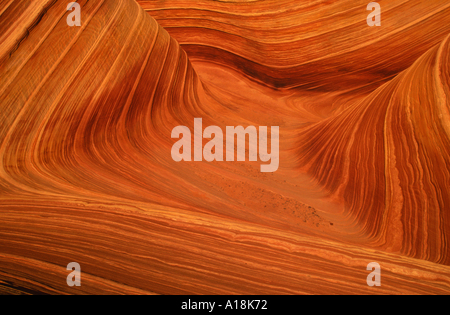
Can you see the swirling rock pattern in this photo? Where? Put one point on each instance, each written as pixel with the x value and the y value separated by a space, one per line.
pixel 320 45
pixel 86 173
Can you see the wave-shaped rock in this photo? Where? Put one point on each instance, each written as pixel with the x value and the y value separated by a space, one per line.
pixel 388 158
pixel 86 173
pixel 310 44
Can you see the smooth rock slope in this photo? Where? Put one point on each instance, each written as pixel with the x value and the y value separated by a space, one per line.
pixel 86 172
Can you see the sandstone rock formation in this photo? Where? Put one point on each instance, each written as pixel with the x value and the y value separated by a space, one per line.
pixel 86 173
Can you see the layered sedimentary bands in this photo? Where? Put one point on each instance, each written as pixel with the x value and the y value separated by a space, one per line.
pixel 86 173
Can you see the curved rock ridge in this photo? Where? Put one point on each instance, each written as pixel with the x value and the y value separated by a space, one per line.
pixel 388 158
pixel 321 45
pixel 86 173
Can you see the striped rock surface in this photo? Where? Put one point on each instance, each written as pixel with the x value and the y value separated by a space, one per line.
pixel 86 173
